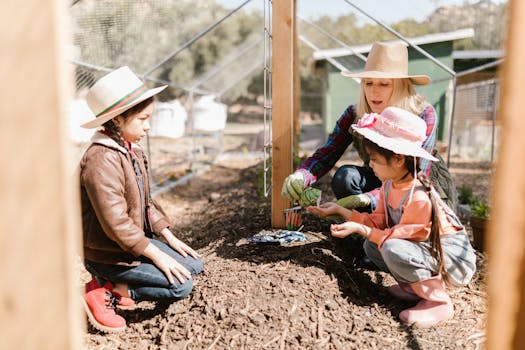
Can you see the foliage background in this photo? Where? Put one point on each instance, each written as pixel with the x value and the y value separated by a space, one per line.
pixel 112 33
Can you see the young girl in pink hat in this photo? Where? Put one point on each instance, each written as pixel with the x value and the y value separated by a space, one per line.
pixel 412 233
pixel 128 246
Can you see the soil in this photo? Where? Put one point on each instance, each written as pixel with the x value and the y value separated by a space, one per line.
pixel 316 295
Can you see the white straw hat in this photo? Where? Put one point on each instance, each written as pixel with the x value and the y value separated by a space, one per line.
pixel 397 130
pixel 115 93
pixel 388 61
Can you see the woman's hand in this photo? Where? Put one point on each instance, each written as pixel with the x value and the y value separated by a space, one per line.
pixel 349 227
pixel 169 266
pixel 181 247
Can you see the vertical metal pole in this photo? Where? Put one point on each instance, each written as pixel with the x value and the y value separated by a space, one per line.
pixel 267 102
pixel 494 109
pixel 192 131
pixel 451 124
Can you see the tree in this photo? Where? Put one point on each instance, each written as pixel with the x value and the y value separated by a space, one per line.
pixel 113 33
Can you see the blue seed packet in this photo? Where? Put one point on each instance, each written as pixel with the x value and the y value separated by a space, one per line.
pixel 280 237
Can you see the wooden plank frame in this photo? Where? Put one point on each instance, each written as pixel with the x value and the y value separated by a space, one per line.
pixel 39 219
pixel 285 101
pixel 506 251
pixel 39 203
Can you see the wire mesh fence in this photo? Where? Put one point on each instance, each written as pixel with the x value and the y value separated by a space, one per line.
pixel 205 53
pixel 209 55
pixel 476 125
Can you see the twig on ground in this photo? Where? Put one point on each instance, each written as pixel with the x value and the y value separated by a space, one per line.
pixel 272 341
pixel 282 342
pixel 214 342
pixel 320 330
pixel 165 329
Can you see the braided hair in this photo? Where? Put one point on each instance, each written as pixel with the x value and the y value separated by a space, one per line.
pixel 436 250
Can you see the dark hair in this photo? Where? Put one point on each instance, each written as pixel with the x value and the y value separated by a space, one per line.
pixel 370 146
pixel 114 131
pixel 436 251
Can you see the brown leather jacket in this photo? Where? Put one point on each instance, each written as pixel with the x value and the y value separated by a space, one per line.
pixel 116 222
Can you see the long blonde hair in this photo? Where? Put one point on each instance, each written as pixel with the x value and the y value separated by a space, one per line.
pixel 403 96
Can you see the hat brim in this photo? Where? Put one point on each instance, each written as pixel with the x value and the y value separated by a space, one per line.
pixel 415 79
pixel 397 146
pixel 98 121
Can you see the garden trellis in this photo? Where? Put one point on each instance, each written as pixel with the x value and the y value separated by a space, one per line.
pixel 191 46
pixel 164 45
pixel 47 180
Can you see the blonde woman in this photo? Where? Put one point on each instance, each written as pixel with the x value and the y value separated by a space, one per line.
pixel 385 82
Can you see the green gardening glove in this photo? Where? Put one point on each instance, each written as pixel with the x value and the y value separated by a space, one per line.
pixel 310 196
pixel 351 202
pixel 354 201
pixel 294 186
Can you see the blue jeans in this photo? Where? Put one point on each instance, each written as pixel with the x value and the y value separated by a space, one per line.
pixel 351 179
pixel 146 281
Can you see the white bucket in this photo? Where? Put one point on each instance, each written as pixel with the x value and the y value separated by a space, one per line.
pixel 209 115
pixel 168 119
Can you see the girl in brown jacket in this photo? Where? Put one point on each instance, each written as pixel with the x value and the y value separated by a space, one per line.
pixel 118 215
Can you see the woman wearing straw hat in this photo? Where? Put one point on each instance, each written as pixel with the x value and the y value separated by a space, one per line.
pixel 119 218
pixel 412 233
pixel 384 82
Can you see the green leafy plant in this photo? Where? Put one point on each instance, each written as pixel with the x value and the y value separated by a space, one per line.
pixel 465 195
pixel 480 208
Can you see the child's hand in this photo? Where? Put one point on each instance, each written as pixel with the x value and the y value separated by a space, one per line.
pixel 347 228
pixel 325 209
pixel 169 266
pixel 181 247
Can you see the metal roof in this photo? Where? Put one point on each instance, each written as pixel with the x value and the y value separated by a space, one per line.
pixel 477 54
pixel 419 40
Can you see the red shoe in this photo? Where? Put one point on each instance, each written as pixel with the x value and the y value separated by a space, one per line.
pixel 123 303
pixel 100 308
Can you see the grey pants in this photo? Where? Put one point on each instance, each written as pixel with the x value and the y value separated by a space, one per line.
pixel 410 261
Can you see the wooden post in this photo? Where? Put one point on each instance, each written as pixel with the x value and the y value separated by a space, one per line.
pixel 284 101
pixel 39 211
pixel 506 251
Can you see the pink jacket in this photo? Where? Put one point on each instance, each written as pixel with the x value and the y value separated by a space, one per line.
pixel 415 222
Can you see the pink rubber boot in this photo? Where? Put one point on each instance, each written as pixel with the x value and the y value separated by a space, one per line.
pixel 435 307
pixel 403 291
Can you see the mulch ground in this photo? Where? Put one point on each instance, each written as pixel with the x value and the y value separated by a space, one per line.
pixel 319 295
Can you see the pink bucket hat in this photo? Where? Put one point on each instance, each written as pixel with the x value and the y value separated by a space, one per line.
pixel 115 93
pixel 388 61
pixel 397 130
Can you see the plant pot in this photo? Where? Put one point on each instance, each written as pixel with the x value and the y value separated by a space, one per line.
pixel 479 227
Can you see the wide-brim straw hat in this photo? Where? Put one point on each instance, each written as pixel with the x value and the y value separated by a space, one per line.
pixel 388 61
pixel 115 93
pixel 397 130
